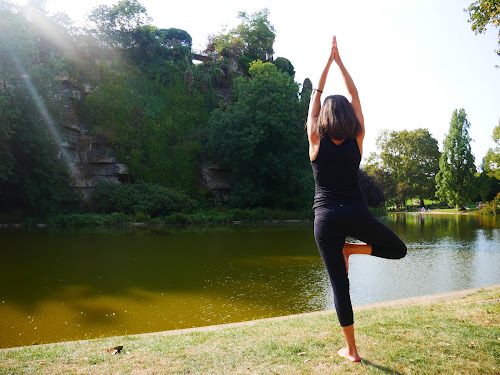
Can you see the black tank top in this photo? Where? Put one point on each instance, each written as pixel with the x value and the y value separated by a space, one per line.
pixel 336 169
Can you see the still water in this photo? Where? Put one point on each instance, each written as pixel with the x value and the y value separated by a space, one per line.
pixel 68 285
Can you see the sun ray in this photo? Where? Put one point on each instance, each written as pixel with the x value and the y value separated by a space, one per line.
pixel 39 102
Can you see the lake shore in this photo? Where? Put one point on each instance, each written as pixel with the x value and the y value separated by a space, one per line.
pixel 439 211
pixel 202 217
pixel 219 215
pixel 453 332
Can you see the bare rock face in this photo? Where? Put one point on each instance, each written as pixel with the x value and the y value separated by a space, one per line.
pixel 217 180
pixel 91 159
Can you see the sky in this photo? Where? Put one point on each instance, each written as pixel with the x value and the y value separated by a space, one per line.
pixel 413 62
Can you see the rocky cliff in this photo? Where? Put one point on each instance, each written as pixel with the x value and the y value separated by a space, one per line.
pixel 91 159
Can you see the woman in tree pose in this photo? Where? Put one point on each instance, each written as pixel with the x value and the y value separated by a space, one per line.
pixel 335 132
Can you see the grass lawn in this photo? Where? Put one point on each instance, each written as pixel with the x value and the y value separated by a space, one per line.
pixel 460 336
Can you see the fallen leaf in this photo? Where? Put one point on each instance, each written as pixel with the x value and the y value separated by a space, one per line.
pixel 115 350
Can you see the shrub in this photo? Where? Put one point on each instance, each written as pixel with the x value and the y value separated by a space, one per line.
pixel 88 220
pixel 140 199
pixel 491 207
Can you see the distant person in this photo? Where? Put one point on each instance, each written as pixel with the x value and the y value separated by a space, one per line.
pixel 335 132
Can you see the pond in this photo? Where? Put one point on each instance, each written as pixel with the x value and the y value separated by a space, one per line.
pixel 68 285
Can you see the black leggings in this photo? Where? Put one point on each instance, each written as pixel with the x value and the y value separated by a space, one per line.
pixel 332 223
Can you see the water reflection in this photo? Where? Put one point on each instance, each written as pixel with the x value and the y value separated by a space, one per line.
pixel 446 252
pixel 64 285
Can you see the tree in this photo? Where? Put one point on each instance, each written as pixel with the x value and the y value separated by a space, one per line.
pixel 372 189
pixel 154 50
pixel 251 40
pixel 408 163
pixel 115 25
pixel 33 175
pixel 455 180
pixel 261 137
pixel 489 179
pixel 492 159
pixel 483 13
pixel 285 65
pixel 488 186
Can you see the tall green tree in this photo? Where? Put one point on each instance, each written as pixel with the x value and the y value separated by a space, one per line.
pixel 408 163
pixel 261 137
pixel 483 13
pixel 455 181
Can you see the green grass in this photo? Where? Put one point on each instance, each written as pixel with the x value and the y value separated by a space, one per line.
pixel 461 336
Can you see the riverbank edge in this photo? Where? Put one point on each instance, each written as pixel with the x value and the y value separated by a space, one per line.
pixel 214 216
pixel 411 301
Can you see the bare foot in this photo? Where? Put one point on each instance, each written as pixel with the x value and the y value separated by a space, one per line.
pixel 354 357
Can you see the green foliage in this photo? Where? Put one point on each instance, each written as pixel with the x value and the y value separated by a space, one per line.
pixel 139 198
pixel 154 48
pixel 455 181
pixel 372 189
pixel 261 138
pixel 285 66
pixel 231 215
pixel 407 164
pixel 491 207
pixel 251 40
pixel 116 24
pixel 149 101
pixel 491 163
pixel 33 174
pixel 155 127
pixel 483 13
pixel 88 220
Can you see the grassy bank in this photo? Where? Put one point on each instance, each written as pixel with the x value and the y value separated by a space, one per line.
pixel 438 211
pixel 206 216
pixel 453 337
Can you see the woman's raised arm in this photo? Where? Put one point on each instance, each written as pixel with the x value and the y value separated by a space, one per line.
pixel 351 89
pixel 315 106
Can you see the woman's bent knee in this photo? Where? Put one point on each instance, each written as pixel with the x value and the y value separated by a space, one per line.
pixel 403 250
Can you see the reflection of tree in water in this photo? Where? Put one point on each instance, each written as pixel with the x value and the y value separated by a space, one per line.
pixel 176 278
pixel 461 229
pixel 455 249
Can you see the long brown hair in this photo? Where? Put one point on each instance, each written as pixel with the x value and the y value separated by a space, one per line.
pixel 337 119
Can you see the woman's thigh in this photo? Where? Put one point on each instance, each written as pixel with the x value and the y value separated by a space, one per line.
pixel 384 241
